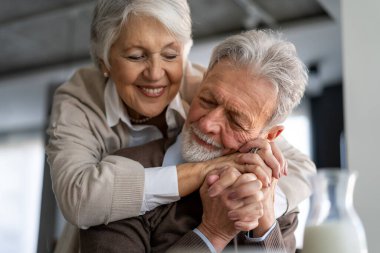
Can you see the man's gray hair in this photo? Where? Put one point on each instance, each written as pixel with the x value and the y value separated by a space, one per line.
pixel 270 57
pixel 111 15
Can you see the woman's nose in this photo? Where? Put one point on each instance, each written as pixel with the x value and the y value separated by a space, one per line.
pixel 154 70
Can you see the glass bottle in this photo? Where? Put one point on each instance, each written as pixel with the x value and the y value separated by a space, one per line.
pixel 333 224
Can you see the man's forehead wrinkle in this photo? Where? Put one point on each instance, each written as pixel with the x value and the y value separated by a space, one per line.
pixel 232 104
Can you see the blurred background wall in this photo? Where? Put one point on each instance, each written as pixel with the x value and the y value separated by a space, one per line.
pixel 361 54
pixel 42 42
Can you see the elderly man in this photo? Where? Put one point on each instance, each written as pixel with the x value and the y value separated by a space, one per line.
pixel 253 82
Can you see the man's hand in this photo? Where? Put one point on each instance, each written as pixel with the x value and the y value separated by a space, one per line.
pixel 243 196
pixel 268 218
pixel 245 200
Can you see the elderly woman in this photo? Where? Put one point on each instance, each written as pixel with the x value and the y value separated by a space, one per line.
pixel 138 92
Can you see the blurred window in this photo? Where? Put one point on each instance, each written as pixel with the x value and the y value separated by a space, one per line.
pixel 21 169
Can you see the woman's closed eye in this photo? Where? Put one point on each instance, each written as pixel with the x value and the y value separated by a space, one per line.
pixel 169 54
pixel 137 57
pixel 169 57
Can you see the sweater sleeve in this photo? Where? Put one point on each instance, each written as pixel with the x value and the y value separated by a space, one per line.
pixel 280 239
pixel 300 168
pixel 90 186
pixel 190 242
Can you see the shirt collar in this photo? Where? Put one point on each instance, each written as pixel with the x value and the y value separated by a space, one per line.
pixel 115 109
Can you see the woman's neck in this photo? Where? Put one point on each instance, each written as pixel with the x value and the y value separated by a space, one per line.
pixel 159 121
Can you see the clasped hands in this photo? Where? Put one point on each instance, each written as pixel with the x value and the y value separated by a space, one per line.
pixel 234 201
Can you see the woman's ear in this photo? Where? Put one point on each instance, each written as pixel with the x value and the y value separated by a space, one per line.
pixel 274 132
pixel 104 69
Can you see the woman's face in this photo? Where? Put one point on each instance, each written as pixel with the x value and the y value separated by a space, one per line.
pixel 146 66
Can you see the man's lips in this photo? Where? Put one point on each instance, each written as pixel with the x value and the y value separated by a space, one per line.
pixel 152 91
pixel 202 142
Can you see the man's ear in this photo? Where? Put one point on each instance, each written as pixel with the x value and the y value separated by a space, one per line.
pixel 274 132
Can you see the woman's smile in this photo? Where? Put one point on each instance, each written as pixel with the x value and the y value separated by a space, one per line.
pixel 153 92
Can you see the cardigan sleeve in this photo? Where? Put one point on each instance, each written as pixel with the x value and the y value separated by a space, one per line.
pixel 91 187
pixel 300 168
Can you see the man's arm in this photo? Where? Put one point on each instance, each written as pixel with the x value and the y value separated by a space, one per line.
pixel 217 228
pixel 281 238
pixel 218 220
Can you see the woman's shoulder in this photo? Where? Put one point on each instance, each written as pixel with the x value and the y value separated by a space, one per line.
pixel 85 89
pixel 86 84
pixel 84 78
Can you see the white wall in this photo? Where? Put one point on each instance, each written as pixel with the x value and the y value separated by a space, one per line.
pixel 361 70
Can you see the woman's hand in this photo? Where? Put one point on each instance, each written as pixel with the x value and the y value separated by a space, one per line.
pixel 269 153
pixel 268 161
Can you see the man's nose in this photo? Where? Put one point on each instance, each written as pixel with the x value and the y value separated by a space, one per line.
pixel 154 70
pixel 213 121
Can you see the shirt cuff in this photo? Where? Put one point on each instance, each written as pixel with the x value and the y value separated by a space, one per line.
pixel 160 187
pixel 262 238
pixel 204 238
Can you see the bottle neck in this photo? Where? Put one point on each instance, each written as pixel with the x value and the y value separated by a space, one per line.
pixel 332 197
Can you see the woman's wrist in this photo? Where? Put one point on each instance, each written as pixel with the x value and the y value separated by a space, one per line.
pixel 189 177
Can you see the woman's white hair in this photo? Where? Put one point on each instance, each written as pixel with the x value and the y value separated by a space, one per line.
pixel 111 15
pixel 270 57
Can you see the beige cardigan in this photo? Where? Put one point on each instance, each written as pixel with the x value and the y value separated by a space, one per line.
pixel 93 187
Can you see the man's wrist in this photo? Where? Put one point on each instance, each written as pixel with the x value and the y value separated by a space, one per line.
pixel 218 240
pixel 265 223
pixel 249 235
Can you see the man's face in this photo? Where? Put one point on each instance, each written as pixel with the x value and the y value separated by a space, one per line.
pixel 231 108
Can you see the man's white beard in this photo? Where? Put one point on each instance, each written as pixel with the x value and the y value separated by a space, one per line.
pixel 194 152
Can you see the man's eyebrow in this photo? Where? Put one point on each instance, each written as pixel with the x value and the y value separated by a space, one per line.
pixel 206 92
pixel 232 108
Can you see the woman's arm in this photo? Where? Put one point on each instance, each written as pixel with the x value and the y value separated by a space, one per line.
pixel 90 186
pixel 296 184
